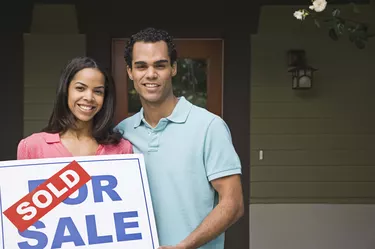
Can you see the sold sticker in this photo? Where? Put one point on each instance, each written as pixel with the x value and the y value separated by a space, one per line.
pixel 46 196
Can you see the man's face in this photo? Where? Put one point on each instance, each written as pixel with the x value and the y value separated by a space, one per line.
pixel 152 72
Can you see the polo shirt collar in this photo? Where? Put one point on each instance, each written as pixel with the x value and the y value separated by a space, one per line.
pixel 179 114
pixel 51 138
pixel 138 118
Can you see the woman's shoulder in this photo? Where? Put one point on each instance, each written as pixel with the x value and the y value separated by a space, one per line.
pixel 33 138
pixel 31 146
pixel 123 147
pixel 38 138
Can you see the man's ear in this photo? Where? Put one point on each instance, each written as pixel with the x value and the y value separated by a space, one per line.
pixel 129 71
pixel 174 69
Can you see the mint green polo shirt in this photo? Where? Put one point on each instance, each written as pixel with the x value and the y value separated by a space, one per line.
pixel 183 153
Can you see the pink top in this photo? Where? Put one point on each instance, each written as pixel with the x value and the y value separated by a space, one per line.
pixel 48 145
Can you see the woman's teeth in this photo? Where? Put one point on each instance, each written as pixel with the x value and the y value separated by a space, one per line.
pixel 86 108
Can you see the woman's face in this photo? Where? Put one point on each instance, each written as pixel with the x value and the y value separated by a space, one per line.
pixel 86 94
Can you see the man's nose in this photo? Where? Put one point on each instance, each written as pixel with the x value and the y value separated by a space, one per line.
pixel 151 73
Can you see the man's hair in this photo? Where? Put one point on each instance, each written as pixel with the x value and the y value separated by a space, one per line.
pixel 150 35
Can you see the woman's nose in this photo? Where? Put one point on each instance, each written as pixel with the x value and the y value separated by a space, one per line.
pixel 89 96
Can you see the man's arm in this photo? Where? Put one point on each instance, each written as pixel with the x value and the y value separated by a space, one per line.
pixel 229 209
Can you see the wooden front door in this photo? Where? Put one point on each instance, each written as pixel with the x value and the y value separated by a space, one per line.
pixel 199 76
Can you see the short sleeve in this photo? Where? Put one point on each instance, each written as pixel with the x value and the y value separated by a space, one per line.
pixel 127 147
pixel 22 151
pixel 220 156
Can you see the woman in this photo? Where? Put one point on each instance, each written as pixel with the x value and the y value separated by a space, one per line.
pixel 81 123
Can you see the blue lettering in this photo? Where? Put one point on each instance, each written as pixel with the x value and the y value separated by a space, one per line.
pixel 82 192
pixel 82 195
pixel 121 226
pixel 41 238
pixel 34 183
pixel 74 236
pixel 97 186
pixel 92 232
pixel 98 189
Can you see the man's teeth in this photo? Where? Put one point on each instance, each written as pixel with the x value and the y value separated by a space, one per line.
pixel 151 85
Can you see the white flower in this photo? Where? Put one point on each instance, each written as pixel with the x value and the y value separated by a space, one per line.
pixel 299 14
pixel 318 5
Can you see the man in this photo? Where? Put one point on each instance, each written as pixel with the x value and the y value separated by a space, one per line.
pixel 192 167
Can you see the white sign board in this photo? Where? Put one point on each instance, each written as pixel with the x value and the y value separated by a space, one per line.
pixel 112 210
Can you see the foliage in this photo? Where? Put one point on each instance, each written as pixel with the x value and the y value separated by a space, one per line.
pixel 337 24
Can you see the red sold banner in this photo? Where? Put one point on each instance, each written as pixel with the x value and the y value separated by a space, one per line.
pixel 46 196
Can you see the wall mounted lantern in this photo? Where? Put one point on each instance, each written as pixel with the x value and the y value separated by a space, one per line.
pixel 302 74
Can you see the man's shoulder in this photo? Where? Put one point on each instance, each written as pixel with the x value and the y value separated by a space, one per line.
pixel 208 121
pixel 202 115
pixel 128 122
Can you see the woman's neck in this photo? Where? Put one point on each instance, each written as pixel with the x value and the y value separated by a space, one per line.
pixel 82 130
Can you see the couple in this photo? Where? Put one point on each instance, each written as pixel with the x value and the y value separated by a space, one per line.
pixel 192 167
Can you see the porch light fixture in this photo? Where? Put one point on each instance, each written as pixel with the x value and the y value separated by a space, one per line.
pixel 302 74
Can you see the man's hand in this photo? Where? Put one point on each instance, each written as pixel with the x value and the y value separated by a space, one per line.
pixel 172 247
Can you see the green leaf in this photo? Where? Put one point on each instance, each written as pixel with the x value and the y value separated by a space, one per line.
pixel 360 43
pixel 336 12
pixel 317 23
pixel 332 33
pixel 340 28
pixel 361 34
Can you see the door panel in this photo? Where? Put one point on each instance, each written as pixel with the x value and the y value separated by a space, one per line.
pixel 199 77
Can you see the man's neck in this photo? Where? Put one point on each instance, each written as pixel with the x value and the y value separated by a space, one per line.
pixel 154 112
